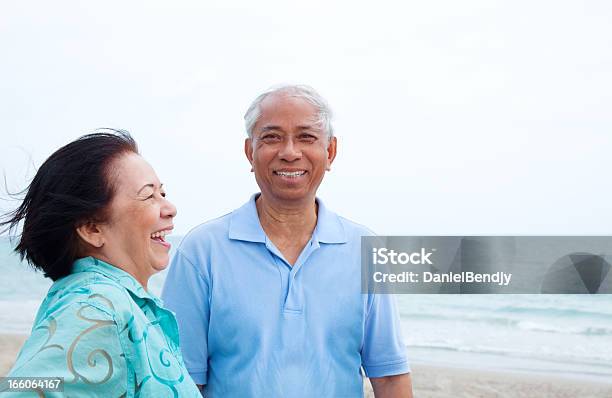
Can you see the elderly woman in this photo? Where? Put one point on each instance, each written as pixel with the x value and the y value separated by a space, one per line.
pixel 95 219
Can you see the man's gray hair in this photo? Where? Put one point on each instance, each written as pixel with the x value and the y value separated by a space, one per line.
pixel 297 91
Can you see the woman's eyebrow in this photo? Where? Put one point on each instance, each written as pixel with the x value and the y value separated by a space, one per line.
pixel 149 186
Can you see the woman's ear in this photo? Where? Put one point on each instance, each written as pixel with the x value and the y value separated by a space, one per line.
pixel 91 233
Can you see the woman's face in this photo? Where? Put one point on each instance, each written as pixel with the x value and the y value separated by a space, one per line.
pixel 138 218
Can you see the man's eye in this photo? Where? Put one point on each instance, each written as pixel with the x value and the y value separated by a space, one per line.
pixel 270 137
pixel 308 137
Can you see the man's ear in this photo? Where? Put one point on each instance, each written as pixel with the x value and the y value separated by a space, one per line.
pixel 332 147
pixel 91 233
pixel 248 150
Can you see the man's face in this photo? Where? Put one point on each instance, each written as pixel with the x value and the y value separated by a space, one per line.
pixel 289 150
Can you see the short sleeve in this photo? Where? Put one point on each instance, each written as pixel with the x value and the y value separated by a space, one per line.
pixel 383 352
pixel 186 294
pixel 79 343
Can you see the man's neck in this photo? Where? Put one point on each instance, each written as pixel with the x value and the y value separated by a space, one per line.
pixel 288 227
pixel 287 219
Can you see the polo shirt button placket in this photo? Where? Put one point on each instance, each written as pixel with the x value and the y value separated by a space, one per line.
pixel 293 301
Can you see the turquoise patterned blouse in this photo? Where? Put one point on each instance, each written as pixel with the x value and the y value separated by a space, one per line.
pixel 106 336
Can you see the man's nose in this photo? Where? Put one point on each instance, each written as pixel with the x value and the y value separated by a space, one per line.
pixel 290 151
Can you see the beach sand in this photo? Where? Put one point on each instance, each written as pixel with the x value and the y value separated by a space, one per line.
pixel 436 382
pixel 10 344
pixel 445 382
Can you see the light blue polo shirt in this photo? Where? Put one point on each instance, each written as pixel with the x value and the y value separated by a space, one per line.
pixel 252 325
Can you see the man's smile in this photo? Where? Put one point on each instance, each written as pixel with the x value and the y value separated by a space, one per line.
pixel 290 174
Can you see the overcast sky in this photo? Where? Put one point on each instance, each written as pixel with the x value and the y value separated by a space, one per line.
pixel 453 117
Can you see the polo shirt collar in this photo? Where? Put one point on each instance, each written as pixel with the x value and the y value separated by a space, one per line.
pixel 92 264
pixel 245 225
pixel 329 228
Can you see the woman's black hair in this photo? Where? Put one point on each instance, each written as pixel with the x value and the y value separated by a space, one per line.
pixel 72 187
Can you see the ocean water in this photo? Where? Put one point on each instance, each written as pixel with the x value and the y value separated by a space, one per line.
pixel 566 335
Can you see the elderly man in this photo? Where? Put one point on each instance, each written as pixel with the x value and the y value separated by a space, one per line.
pixel 268 298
